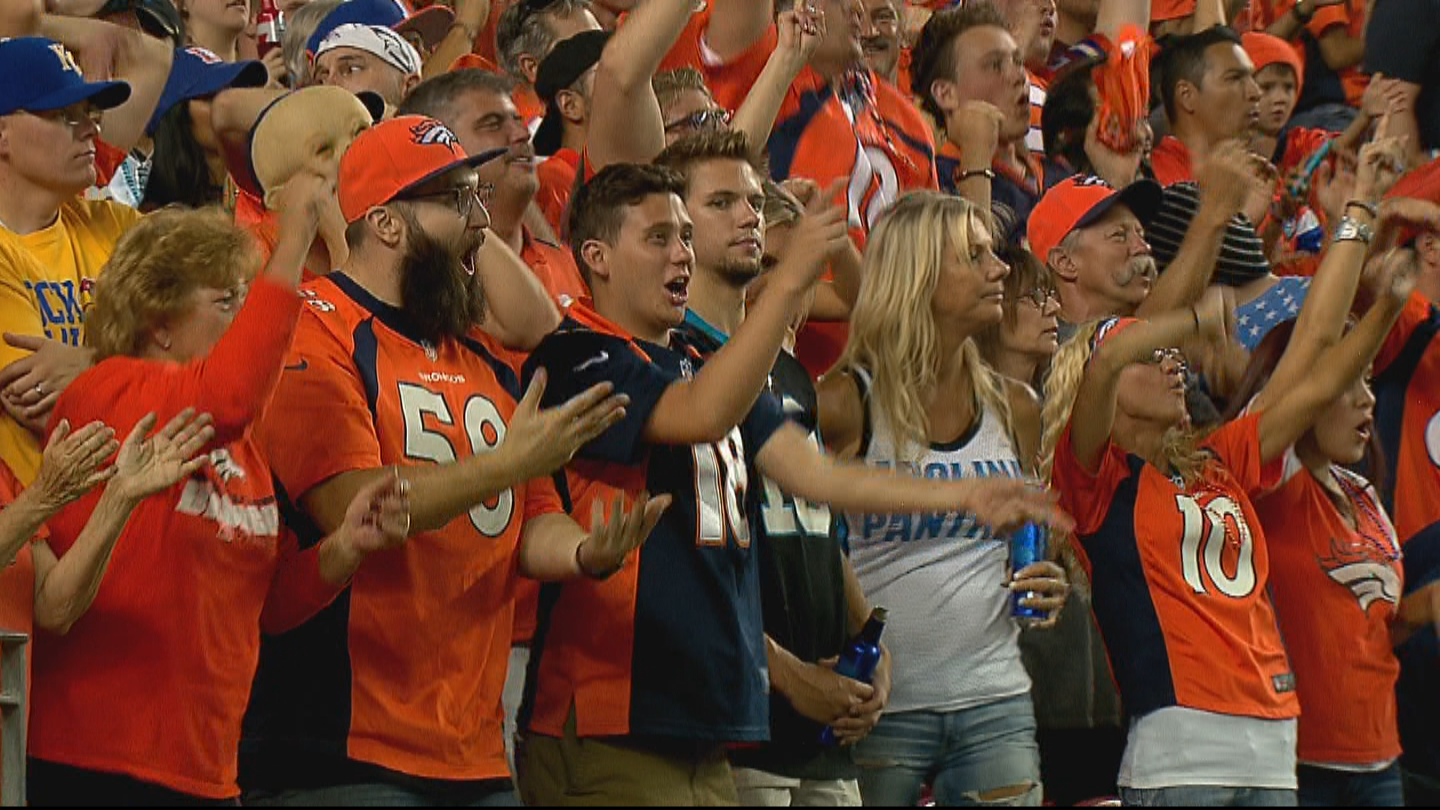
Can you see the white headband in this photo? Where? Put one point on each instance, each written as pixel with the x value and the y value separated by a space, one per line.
pixel 377 40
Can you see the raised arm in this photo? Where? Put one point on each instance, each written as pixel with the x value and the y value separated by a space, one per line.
pixel 470 17
pixel 109 51
pixel 1295 411
pixel 1092 418
pixel 800 34
pixel 519 312
pixel 20 18
pixel 736 25
pixel 1116 14
pixel 1225 183
pixel 1332 294
pixel 706 408
pixel 1208 14
pixel 626 125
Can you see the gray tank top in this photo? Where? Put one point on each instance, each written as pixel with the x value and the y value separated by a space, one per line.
pixel 950 633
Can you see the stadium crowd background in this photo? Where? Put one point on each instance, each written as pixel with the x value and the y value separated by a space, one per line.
pixel 528 400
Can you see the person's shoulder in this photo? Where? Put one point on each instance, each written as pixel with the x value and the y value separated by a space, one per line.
pixel 104 218
pixel 326 309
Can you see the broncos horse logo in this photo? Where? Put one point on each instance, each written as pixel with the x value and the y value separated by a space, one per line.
pixel 1368 574
pixel 431 132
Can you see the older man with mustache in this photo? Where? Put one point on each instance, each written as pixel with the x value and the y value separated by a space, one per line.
pixel 1093 238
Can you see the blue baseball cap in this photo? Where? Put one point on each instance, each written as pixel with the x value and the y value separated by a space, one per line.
pixel 43 76
pixel 432 24
pixel 198 73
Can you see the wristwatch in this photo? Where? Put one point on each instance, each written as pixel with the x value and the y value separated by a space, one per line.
pixel 1351 230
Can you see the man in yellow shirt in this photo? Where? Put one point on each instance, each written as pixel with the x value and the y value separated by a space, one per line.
pixel 52 243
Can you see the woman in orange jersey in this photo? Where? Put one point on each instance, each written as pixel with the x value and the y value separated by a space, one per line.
pixel 144 673
pixel 1336 572
pixel 1176 553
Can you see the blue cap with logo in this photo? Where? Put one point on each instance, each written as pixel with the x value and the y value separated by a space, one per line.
pixel 51 79
pixel 198 73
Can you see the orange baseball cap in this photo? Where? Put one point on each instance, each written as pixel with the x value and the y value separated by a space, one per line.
pixel 396 156
pixel 1080 201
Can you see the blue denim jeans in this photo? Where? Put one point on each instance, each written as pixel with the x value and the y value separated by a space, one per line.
pixel 1321 787
pixel 1208 797
pixel 964 755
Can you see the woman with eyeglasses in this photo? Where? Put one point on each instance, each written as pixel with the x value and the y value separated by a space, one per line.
pixel 1177 555
pixel 1022 344
pixel 912 392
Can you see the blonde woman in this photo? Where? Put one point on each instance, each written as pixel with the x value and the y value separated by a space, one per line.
pixel 1178 561
pixel 911 392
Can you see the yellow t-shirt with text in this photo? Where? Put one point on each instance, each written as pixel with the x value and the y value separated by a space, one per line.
pixel 46 282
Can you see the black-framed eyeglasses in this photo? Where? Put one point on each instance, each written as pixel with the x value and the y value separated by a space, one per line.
pixel 1038 297
pixel 465 197
pixel 701 121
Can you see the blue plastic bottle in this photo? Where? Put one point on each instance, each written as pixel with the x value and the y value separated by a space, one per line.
pixel 859 660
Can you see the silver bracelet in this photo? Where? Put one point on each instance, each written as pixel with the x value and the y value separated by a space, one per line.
pixel 1352 230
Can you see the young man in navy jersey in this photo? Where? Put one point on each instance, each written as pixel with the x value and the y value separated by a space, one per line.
pixel 809 597
pixel 640 678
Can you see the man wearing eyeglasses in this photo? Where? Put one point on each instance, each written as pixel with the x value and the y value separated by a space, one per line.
pixel 391 696
pixel 52 243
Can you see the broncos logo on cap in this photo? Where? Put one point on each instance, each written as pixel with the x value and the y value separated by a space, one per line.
pixel 431 132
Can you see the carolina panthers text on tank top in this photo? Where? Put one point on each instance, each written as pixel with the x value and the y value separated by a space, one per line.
pixel 954 643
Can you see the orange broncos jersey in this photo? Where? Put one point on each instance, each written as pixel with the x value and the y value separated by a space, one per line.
pixel 1179 578
pixel 404 672
pixel 1407 416
pixel 1337 588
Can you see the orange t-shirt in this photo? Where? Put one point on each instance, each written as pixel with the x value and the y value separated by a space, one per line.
pixel 729 81
pixel 1337 588
pixel 1171 162
pixel 1180 575
pixel 405 671
pixel 557 183
pixel 175 625
pixel 1407 416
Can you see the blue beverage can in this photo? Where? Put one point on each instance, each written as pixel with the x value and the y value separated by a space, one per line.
pixel 1028 546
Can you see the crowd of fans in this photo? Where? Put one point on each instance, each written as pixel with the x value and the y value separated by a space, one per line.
pixel 485 402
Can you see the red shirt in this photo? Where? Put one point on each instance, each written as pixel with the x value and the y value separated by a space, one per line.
pixel 729 81
pixel 406 671
pixel 557 183
pixel 1337 588
pixel 1171 162
pixel 1180 576
pixel 175 626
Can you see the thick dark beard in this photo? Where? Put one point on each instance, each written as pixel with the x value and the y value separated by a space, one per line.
pixel 739 273
pixel 440 297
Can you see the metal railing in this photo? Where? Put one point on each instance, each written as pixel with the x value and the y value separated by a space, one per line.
pixel 13 668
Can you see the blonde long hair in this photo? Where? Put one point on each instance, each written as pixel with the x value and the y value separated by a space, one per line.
pixel 1181 447
pixel 893 334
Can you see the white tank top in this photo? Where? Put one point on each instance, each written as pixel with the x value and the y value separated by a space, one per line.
pixel 953 642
